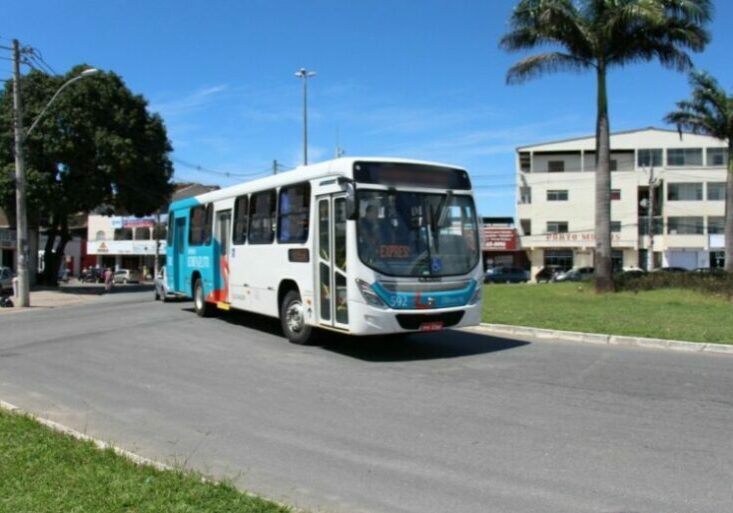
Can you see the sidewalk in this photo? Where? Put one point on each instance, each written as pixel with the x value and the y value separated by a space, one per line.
pixel 65 295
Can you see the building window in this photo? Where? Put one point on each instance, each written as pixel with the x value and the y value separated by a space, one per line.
pixel 142 234
pixel 716 191
pixel 557 195
pixel 561 259
pixel 123 233
pixel 557 227
pixel 685 226
pixel 526 225
pixel 241 215
pixel 615 194
pixel 525 162
pixel 657 225
pixel 615 226
pixel 614 165
pixel 101 235
pixel 262 218
pixel 294 207
pixel 649 158
pixel 525 195
pixel 617 260
pixel 684 192
pixel 716 225
pixel 717 157
pixel 684 157
pixel 556 166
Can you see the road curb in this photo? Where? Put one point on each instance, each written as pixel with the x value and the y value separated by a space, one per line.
pixel 129 455
pixel 603 339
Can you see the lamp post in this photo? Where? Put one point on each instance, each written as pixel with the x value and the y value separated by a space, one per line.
pixel 23 289
pixel 305 75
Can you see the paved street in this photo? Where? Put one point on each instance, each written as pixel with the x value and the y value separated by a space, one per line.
pixel 448 422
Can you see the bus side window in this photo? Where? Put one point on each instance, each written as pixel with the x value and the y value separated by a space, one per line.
pixel 261 217
pixel 197 226
pixel 294 208
pixel 240 221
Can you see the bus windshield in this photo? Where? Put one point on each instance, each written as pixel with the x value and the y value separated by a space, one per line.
pixel 412 234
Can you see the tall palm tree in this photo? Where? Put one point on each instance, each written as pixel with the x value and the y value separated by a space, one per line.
pixel 597 35
pixel 710 112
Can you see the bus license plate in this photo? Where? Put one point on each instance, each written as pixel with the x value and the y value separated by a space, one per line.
pixel 431 326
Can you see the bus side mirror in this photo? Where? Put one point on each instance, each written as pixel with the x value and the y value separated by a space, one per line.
pixel 352 209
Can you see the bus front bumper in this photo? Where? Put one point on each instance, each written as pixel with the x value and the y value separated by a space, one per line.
pixel 367 320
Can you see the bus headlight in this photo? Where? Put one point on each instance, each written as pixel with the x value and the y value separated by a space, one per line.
pixel 476 295
pixel 369 295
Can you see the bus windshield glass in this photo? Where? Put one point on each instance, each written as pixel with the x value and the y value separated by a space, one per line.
pixel 413 234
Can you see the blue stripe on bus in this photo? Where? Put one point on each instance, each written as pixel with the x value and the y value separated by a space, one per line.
pixel 425 300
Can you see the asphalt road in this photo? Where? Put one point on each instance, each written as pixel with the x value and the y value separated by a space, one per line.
pixel 447 422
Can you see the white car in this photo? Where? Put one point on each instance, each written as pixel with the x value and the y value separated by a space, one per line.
pixel 161 286
pixel 126 276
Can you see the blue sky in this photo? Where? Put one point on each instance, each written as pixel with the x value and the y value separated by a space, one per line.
pixel 412 78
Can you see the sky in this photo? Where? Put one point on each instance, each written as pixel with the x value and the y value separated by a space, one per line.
pixel 420 79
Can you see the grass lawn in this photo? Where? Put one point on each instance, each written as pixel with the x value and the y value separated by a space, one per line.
pixel 669 313
pixel 43 471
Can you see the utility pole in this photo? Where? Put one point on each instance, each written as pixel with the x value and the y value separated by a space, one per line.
pixel 305 75
pixel 274 167
pixel 21 215
pixel 650 221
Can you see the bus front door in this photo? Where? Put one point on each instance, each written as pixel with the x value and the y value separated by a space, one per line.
pixel 179 266
pixel 331 287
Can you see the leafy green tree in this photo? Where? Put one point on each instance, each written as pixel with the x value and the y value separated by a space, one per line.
pixel 710 112
pixel 598 35
pixel 96 146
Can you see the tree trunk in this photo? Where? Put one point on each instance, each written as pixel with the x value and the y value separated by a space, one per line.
pixel 602 260
pixel 728 251
pixel 64 238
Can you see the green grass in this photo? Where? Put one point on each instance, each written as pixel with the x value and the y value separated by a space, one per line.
pixel 666 313
pixel 44 471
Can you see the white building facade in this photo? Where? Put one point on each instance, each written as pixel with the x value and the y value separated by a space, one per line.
pixel 124 242
pixel 682 178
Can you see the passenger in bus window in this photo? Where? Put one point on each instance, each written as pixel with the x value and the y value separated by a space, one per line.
pixel 369 231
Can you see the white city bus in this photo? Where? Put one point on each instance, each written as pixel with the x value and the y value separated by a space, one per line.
pixel 362 246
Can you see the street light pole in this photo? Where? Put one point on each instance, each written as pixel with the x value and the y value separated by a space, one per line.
pixel 21 214
pixel 305 75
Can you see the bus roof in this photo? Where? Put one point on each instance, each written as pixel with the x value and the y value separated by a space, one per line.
pixel 337 167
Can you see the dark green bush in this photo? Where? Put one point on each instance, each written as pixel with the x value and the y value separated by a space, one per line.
pixel 720 284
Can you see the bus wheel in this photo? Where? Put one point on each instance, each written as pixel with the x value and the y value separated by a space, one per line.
pixel 203 309
pixel 292 318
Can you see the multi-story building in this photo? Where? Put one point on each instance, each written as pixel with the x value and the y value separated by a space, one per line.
pixel 682 177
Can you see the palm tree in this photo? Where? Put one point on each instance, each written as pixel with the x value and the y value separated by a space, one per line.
pixel 597 35
pixel 710 112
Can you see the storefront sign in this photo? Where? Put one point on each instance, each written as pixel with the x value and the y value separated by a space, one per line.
pixel 132 222
pixel 583 236
pixel 125 247
pixel 500 239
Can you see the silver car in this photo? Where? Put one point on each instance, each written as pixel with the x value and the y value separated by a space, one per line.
pixel 161 286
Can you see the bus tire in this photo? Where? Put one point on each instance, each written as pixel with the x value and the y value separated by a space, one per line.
pixel 292 319
pixel 203 309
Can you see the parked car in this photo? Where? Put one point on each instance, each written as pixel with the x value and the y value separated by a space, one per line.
pixel 710 271
pixel 161 286
pixel 6 279
pixel 546 274
pixel 126 276
pixel 92 275
pixel 576 274
pixel 671 270
pixel 631 272
pixel 506 275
